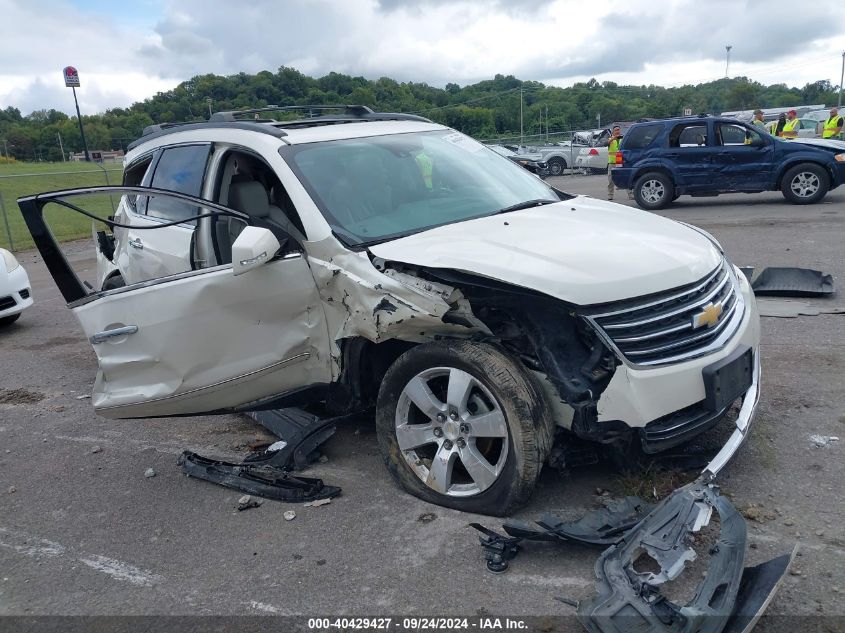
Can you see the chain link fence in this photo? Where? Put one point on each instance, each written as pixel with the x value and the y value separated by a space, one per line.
pixel 23 179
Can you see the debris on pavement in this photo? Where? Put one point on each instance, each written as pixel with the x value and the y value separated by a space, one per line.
pixel 426 517
pixel 324 459
pixel 267 473
pixel 246 502
pixel 823 440
pixel 318 502
pixel 96 449
pixel 83 397
pixel 12 490
pixel 259 478
pixel 289 515
pixel 789 309
pixel 649 548
pixel 792 282
pixel 149 473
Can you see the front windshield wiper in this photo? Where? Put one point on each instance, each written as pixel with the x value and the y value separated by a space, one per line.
pixel 525 205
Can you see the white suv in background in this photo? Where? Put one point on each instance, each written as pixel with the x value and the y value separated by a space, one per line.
pixel 362 258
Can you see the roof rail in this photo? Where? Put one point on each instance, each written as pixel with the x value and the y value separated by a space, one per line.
pixel 154 131
pixel 349 110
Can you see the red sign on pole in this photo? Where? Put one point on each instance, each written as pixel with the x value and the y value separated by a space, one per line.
pixel 71 77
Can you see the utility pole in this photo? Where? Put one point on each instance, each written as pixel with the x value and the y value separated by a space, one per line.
pixel 208 101
pixel 61 147
pixel 727 60
pixel 841 77
pixel 6 150
pixel 521 133
pixel 72 82
pixel 547 125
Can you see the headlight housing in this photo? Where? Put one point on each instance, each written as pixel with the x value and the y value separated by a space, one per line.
pixel 9 259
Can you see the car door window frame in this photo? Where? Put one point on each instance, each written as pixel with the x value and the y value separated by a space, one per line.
pixel 74 290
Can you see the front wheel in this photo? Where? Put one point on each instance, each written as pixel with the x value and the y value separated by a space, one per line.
pixel 556 166
pixel 463 425
pixel 805 184
pixel 654 191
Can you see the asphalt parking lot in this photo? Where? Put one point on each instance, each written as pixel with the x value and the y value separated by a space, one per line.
pixel 83 531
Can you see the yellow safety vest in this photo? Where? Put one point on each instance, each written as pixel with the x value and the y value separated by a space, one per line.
pixel 759 122
pixel 791 126
pixel 426 168
pixel 773 128
pixel 612 148
pixel 830 125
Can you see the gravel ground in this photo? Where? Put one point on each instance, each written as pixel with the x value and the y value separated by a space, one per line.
pixel 84 531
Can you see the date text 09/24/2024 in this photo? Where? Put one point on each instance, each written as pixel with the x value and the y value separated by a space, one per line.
pixel 417 624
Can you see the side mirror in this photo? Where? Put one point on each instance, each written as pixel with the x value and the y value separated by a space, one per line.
pixel 254 247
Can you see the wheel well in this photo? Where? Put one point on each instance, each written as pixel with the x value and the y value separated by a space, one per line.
pixel 783 171
pixel 364 365
pixel 648 170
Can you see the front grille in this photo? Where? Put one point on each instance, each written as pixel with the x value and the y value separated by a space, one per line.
pixel 7 302
pixel 665 327
pixel 24 293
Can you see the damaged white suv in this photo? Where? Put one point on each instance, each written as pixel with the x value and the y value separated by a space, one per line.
pixel 360 258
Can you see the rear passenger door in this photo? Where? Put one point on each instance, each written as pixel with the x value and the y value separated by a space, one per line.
pixel 690 152
pixel 144 254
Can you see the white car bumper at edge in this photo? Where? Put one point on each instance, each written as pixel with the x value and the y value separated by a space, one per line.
pixel 15 282
pixel 639 396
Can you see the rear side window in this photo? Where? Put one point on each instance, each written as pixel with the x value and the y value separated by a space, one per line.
pixel 179 169
pixel 688 135
pixel 641 137
pixel 134 177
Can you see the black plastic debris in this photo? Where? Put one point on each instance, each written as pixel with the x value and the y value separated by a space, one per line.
pixel 793 282
pixel 729 598
pixel 499 550
pixel 261 480
pixel 267 474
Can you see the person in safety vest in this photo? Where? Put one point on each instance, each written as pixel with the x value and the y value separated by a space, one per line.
pixel 613 144
pixel 776 127
pixel 426 168
pixel 790 129
pixel 758 118
pixel 833 126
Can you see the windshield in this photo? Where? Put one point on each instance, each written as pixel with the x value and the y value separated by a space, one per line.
pixel 382 187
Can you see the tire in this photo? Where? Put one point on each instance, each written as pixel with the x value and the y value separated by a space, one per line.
pixel 556 166
pixel 115 281
pixel 8 320
pixel 806 183
pixel 653 191
pixel 490 474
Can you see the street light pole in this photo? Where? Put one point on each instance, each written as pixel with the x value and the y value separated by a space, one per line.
pixel 521 134
pixel 81 131
pixel 841 77
pixel 727 60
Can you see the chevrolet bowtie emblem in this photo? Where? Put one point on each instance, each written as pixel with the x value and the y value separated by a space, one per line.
pixel 709 316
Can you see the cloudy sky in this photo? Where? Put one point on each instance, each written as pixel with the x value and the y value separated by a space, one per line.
pixel 127 51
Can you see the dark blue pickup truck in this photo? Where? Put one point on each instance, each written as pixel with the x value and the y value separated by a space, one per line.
pixel 706 156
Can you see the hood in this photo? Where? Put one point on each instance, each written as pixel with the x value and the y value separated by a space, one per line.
pixel 827 143
pixel 582 251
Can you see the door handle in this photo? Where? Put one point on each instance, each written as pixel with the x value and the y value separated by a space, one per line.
pixel 136 243
pixel 101 337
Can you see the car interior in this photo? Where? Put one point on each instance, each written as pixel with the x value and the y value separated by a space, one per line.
pixel 249 185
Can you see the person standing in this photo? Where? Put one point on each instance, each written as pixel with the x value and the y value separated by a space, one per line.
pixel 612 148
pixel 833 126
pixel 792 125
pixel 758 118
pixel 776 128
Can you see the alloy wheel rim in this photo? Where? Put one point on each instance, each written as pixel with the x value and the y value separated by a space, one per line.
pixel 805 184
pixel 653 191
pixel 451 432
